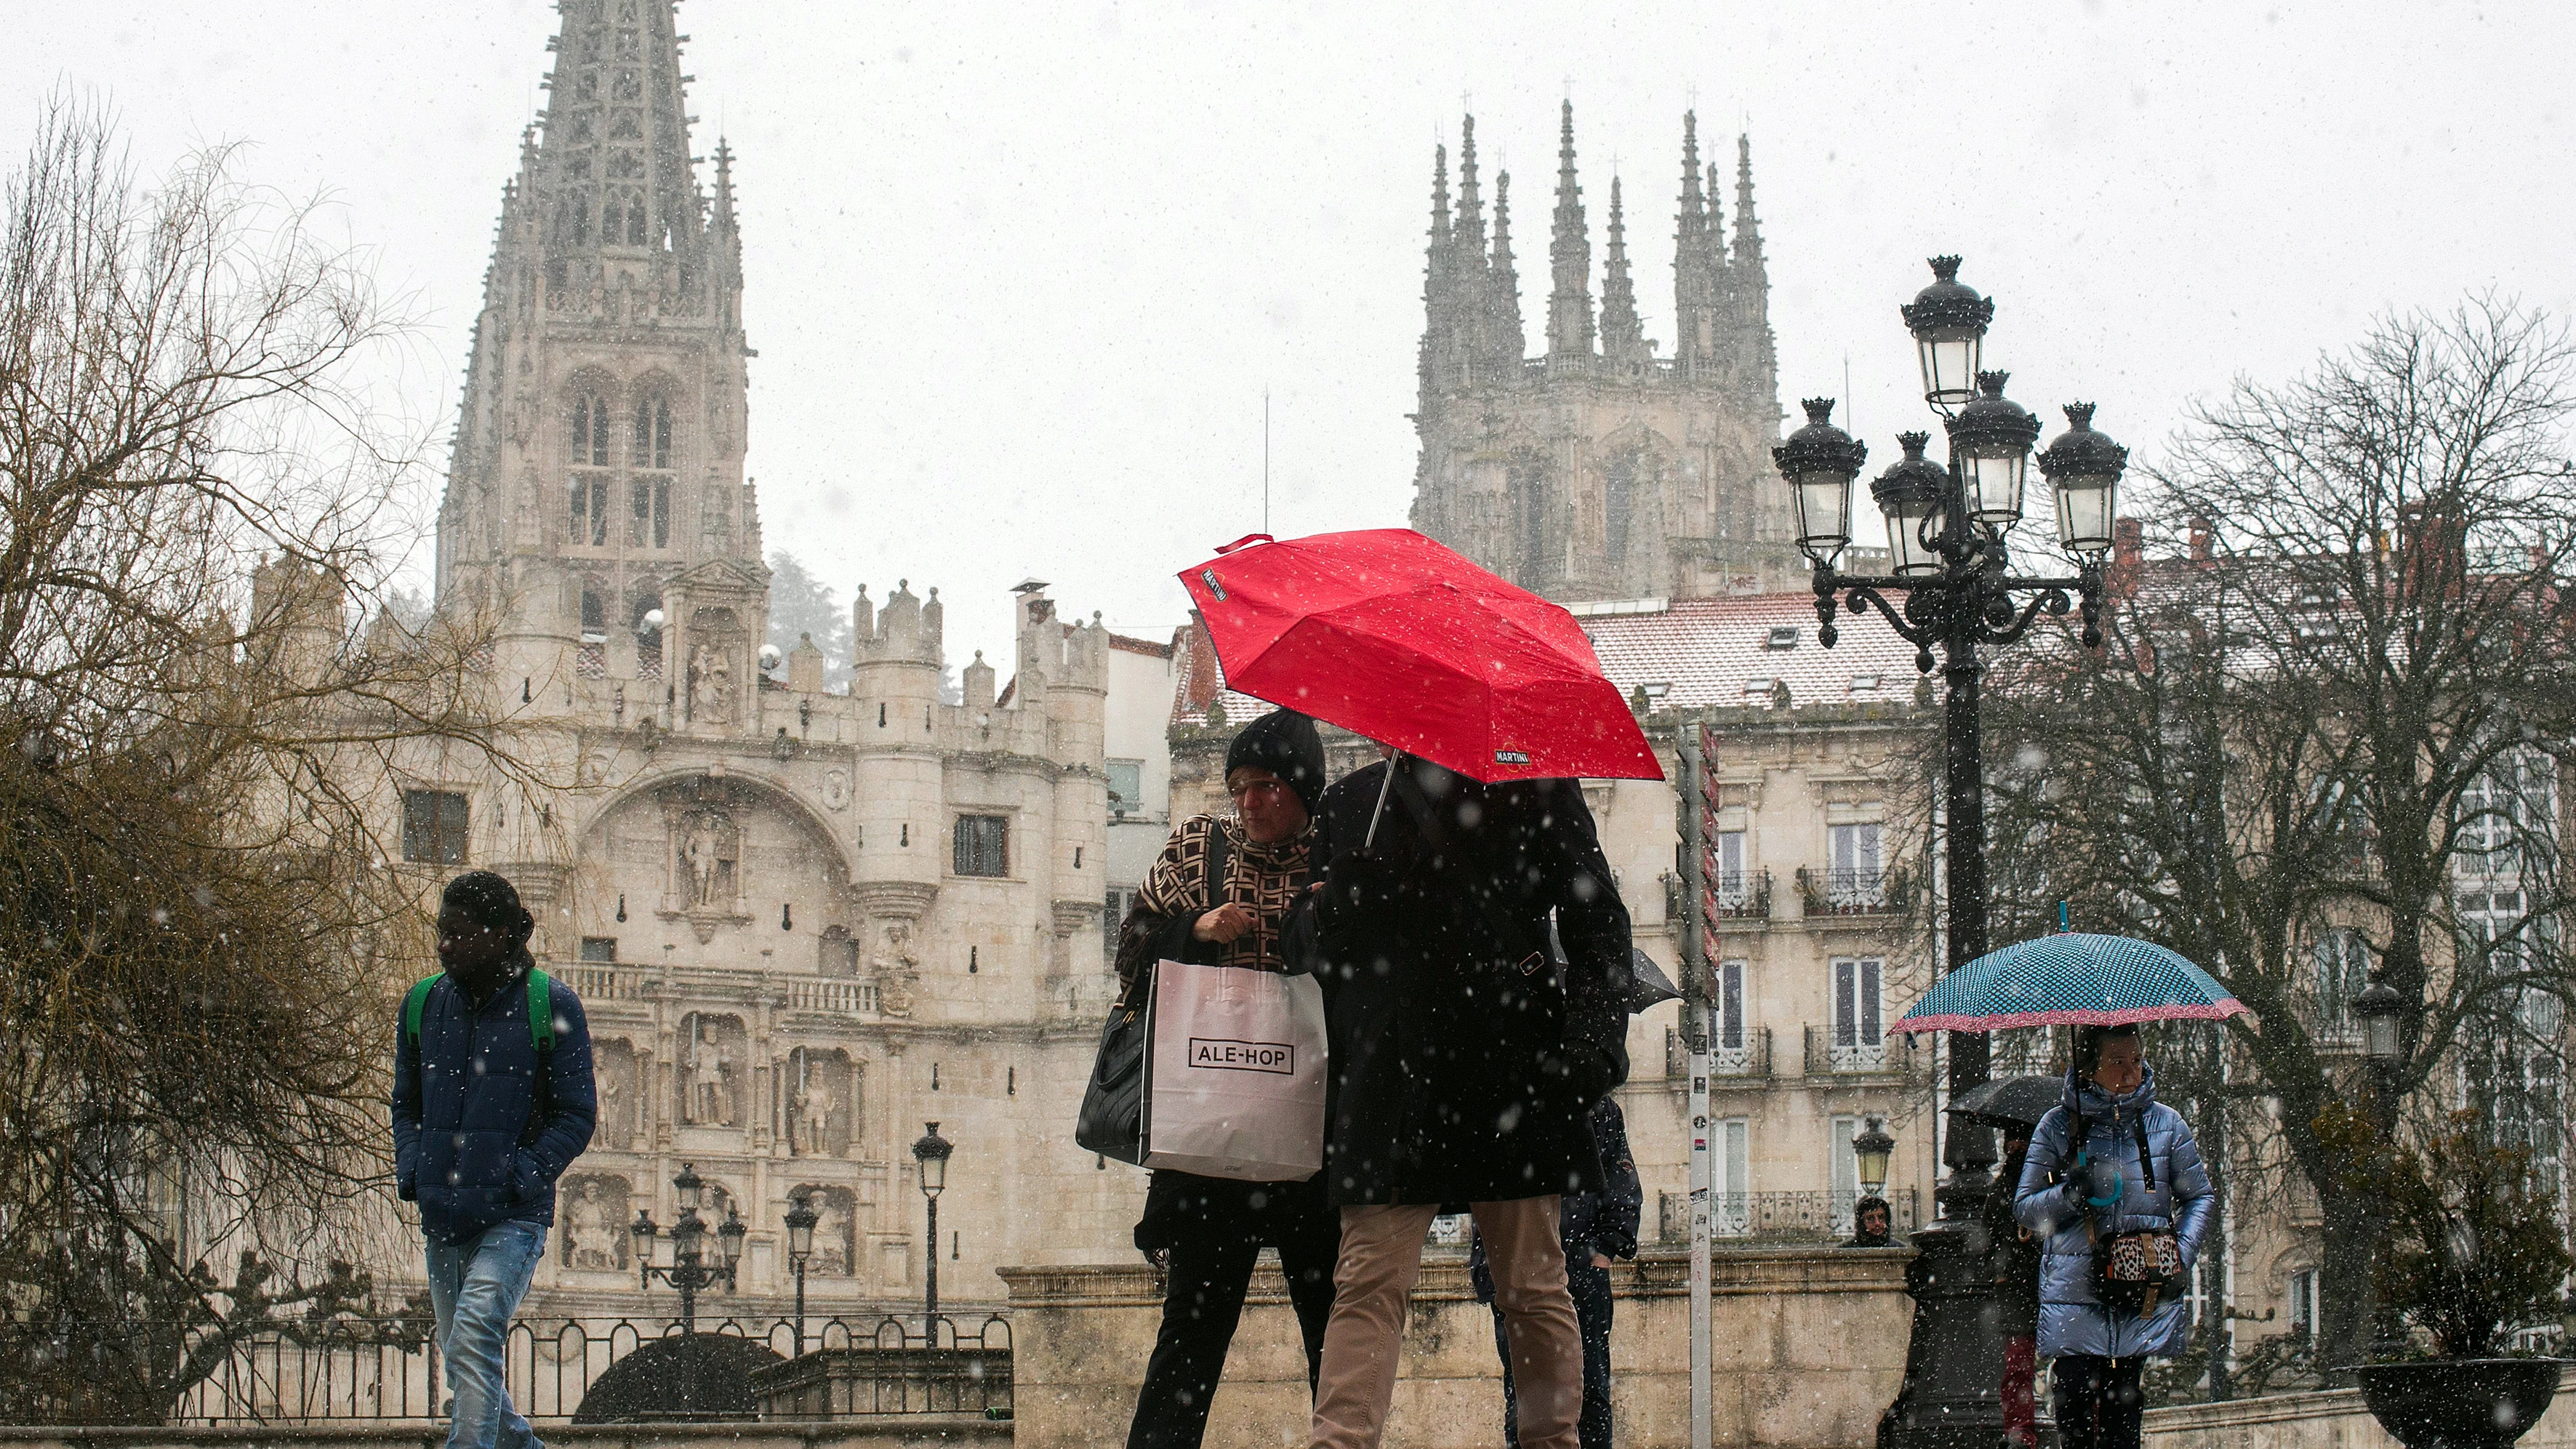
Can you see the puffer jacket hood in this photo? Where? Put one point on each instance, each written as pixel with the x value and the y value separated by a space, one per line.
pixel 2051 1201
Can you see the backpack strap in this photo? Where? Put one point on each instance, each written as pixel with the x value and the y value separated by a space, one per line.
pixel 541 1035
pixel 415 1002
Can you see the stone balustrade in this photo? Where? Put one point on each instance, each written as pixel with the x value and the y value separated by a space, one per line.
pixel 1809 1347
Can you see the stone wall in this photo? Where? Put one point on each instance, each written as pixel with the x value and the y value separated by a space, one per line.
pixel 908 1432
pixel 2336 1419
pixel 1810 1344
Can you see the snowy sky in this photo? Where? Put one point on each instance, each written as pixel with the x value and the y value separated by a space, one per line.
pixel 1019 275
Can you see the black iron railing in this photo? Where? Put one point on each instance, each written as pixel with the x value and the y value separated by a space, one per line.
pixel 389 1369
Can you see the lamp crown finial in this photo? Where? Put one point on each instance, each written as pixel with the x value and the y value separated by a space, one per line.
pixel 1945 268
pixel 1913 443
pixel 1992 383
pixel 2079 416
pixel 1819 409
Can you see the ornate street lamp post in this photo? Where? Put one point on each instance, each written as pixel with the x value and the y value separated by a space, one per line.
pixel 1871 1150
pixel 1948 560
pixel 801 1218
pixel 2383 1048
pixel 688 1271
pixel 931 1150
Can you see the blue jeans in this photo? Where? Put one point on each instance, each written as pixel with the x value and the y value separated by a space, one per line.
pixel 474 1288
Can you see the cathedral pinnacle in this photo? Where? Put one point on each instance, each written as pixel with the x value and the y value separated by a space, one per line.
pixel 1471 203
pixel 1508 340
pixel 1439 196
pixel 1623 334
pixel 1569 252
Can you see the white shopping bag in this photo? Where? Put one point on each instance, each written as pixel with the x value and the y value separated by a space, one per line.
pixel 1234 1073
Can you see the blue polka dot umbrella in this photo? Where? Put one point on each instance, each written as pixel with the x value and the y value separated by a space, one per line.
pixel 2070 979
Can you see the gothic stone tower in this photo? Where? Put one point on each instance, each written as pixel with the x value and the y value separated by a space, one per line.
pixel 1598 469
pixel 597 472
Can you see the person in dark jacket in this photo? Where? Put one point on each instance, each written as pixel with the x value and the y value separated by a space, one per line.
pixel 1598 1227
pixel 2015 1256
pixel 2132 1166
pixel 1207 1231
pixel 479 1142
pixel 1464 1061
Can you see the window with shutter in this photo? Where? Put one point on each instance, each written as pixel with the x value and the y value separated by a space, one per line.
pixel 1859 1031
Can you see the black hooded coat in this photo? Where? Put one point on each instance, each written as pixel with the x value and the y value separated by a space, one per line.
pixel 1464 1059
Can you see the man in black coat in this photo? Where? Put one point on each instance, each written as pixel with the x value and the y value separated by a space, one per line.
pixel 1464 1062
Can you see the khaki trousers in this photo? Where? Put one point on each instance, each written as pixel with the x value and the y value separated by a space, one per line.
pixel 1373 1285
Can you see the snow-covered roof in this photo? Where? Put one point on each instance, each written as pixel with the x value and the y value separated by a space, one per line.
pixel 1686 653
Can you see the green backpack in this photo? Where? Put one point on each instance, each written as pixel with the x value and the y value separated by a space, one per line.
pixel 541 1034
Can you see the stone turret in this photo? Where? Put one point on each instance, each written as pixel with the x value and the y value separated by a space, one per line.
pixel 295 619
pixel 894 693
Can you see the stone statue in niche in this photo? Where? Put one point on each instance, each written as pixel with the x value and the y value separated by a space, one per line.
pixel 897 969
pixel 710 854
pixel 835 1217
pixel 709 1064
pixel 711 684
pixel 594 1216
pixel 814 1118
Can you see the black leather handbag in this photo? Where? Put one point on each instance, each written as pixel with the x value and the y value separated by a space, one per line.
pixel 1112 1122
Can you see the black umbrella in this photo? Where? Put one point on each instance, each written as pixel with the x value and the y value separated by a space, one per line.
pixel 1647 983
pixel 2011 1101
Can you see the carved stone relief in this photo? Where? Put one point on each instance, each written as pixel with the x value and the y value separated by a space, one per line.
pixel 595 1209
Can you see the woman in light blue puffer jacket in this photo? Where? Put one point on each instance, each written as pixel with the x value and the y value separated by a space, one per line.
pixel 2075 1195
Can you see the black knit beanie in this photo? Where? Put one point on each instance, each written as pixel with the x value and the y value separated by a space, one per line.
pixel 1283 742
pixel 489 900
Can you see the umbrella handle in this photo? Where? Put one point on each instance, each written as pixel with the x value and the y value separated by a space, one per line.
pixel 1383 786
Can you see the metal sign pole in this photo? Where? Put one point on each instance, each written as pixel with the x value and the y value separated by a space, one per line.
pixel 1692 807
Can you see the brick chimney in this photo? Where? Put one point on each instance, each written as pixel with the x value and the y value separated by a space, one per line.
pixel 2128 557
pixel 2200 540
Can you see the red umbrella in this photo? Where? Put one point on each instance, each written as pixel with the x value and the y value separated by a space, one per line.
pixel 1392 636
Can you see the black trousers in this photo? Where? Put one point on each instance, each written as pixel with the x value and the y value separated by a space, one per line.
pixel 2098 1401
pixel 1202 1302
pixel 1590 1287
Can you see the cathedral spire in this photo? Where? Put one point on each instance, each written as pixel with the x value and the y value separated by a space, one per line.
pixel 1569 255
pixel 1471 201
pixel 1748 236
pixel 615 159
pixel 1439 198
pixel 1699 257
pixel 1623 334
pixel 1749 284
pixel 1508 339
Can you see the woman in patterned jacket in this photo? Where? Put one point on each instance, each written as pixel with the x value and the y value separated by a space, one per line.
pixel 1217 897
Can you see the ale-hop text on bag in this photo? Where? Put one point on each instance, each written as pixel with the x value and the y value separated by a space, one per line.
pixel 1244 1056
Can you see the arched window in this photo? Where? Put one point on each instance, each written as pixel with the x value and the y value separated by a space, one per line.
pixel 635 221
pixel 650 495
pixel 589 490
pixel 594 614
pixel 648 640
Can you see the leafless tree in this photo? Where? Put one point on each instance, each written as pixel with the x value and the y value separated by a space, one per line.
pixel 202 693
pixel 2323 742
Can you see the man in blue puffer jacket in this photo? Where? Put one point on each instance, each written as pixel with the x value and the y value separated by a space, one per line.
pixel 479 1145
pixel 2075 1196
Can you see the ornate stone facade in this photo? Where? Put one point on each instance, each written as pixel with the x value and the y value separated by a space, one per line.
pixel 1597 469
pixel 803 923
